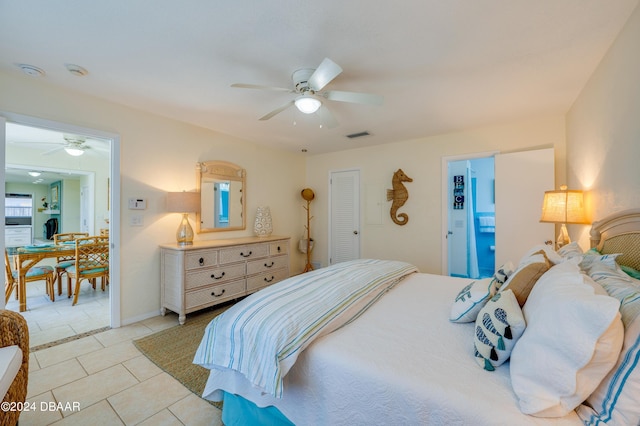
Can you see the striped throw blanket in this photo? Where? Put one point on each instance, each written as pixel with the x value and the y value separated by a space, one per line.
pixel 262 336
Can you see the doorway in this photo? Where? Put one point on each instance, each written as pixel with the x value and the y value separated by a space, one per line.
pixel 96 201
pixel 471 210
pixel 520 180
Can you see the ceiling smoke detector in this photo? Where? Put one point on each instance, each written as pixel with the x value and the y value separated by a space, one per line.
pixel 31 70
pixel 76 70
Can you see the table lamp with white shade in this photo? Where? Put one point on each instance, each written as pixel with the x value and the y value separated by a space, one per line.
pixel 563 206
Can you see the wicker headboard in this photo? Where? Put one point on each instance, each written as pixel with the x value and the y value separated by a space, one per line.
pixel 619 233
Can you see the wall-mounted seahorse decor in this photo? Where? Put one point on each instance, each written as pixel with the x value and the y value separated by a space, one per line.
pixel 399 195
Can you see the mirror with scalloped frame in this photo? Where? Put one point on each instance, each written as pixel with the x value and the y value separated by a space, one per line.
pixel 222 196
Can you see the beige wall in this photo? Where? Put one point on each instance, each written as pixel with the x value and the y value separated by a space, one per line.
pixel 603 132
pixel 420 240
pixel 159 155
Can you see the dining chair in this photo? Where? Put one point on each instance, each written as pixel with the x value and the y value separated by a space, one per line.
pixel 63 262
pixel 91 263
pixel 35 273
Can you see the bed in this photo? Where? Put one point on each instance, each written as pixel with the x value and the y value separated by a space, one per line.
pixel 403 356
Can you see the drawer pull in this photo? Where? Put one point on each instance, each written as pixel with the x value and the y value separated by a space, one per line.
pixel 278 249
pixel 269 280
pixel 245 255
pixel 269 266
pixel 213 293
pixel 217 278
pixel 201 260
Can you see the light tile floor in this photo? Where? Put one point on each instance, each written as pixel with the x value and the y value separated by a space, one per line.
pixel 101 379
pixel 50 321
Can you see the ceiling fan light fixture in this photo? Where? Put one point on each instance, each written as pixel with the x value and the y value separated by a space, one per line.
pixel 307 104
pixel 74 151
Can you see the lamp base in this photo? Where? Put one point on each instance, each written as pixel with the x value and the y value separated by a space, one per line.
pixel 184 234
pixel 563 237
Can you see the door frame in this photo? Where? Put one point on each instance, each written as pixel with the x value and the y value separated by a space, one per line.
pixel 114 192
pixel 445 200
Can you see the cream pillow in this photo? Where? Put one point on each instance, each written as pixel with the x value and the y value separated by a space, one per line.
pixel 573 338
pixel 530 268
pixel 499 325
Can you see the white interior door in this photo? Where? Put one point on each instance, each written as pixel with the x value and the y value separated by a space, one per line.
pixel 344 218
pixel 521 180
pixel 84 209
pixel 457 230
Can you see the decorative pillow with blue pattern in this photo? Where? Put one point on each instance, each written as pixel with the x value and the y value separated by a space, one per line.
pixel 475 295
pixel 499 325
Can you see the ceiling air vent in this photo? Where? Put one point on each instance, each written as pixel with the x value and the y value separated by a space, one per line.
pixel 358 135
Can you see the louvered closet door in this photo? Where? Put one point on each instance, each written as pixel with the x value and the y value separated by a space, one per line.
pixel 345 216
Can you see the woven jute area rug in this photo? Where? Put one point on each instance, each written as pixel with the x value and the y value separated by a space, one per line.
pixel 173 349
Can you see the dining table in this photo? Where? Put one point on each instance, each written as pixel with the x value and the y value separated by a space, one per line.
pixel 27 257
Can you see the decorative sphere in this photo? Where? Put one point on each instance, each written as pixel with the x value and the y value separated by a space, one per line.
pixel 308 194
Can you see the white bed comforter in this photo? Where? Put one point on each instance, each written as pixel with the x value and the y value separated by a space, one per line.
pixel 401 362
pixel 262 336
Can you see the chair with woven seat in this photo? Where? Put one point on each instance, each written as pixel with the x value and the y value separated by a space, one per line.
pixel 63 262
pixel 35 273
pixel 14 363
pixel 91 263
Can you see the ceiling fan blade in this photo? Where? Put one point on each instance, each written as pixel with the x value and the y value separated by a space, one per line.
pixel 358 98
pixel 326 117
pixel 277 110
pixel 326 71
pixel 260 87
pixel 51 151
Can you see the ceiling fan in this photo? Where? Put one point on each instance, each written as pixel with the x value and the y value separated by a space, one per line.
pixel 74 146
pixel 308 85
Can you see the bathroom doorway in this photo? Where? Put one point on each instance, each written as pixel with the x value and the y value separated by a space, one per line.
pixel 471 210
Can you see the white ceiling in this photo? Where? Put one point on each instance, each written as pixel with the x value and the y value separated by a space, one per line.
pixel 440 65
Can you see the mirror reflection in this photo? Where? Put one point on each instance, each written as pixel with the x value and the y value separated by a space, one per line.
pixel 221 187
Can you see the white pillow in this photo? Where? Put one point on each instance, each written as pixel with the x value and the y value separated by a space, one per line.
pixel 573 338
pixel 473 296
pixel 590 259
pixel 553 256
pixel 471 299
pixel 615 401
pixel 499 325
pixel 570 250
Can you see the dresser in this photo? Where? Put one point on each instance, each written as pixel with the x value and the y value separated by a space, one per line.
pixel 211 272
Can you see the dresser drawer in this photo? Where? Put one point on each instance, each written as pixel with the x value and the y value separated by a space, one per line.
pixel 265 279
pixel 214 294
pixel 268 264
pixel 14 237
pixel 243 253
pixel 208 276
pixel 201 259
pixel 279 247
